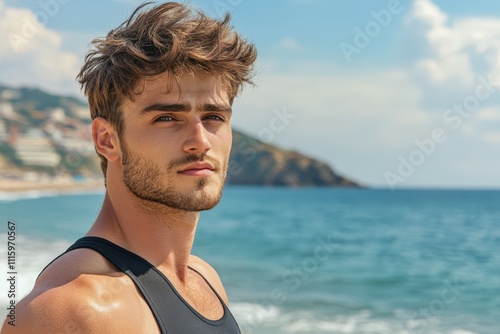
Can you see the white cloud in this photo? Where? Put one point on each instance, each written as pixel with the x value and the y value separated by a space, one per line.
pixel 456 47
pixel 32 54
pixel 446 44
pixel 483 36
pixel 483 126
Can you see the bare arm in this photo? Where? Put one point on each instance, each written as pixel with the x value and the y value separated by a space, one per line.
pixel 84 305
pixel 47 312
pixel 82 293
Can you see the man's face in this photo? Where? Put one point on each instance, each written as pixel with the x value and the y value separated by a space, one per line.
pixel 175 145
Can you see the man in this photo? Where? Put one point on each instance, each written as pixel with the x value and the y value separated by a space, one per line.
pixel 160 89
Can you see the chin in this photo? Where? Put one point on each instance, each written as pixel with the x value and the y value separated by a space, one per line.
pixel 212 193
pixel 203 195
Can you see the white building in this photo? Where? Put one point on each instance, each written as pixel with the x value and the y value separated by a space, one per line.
pixel 7 110
pixel 81 112
pixel 58 115
pixel 77 145
pixel 34 149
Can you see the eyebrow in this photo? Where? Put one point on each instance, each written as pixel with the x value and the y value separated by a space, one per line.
pixel 167 107
pixel 216 107
pixel 181 107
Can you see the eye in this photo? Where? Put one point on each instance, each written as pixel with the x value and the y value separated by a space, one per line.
pixel 215 118
pixel 164 119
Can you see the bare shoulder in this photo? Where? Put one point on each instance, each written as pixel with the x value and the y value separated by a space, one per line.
pixel 78 293
pixel 210 275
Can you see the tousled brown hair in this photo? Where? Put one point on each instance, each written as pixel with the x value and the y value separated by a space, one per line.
pixel 170 37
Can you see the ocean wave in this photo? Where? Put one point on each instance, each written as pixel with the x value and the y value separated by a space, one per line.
pixel 255 313
pixel 257 318
pixel 32 255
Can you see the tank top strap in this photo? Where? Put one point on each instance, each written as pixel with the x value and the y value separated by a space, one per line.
pixel 172 313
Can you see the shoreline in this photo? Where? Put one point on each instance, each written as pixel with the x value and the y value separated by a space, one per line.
pixel 10 186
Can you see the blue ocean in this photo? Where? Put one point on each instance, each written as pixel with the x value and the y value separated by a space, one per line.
pixel 316 260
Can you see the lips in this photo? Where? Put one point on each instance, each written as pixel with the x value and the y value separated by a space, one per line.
pixel 198 169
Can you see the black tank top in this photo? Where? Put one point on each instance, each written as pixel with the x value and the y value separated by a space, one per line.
pixel 173 314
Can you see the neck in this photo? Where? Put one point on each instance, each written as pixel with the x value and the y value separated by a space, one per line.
pixel 162 235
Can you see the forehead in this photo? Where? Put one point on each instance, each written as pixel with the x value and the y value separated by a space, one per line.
pixel 189 87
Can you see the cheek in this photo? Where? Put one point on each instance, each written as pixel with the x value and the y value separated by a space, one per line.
pixel 224 142
pixel 145 141
pixel 131 135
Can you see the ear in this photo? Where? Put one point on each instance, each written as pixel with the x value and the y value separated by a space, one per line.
pixel 106 139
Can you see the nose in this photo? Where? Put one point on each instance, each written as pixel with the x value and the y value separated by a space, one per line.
pixel 197 141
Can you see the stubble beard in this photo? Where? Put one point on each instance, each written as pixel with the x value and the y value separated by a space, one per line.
pixel 150 183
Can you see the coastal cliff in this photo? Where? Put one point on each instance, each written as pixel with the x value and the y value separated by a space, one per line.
pixel 254 162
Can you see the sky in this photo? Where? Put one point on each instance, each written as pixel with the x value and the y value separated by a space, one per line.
pixel 392 94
